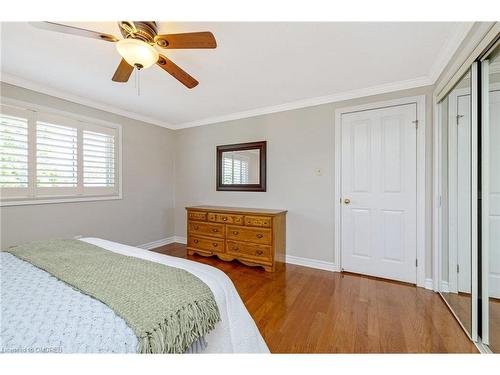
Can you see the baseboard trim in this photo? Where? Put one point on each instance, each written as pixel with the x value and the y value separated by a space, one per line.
pixel 179 239
pixel 299 261
pixel 445 288
pixel 312 263
pixel 290 259
pixel 429 284
pixel 158 243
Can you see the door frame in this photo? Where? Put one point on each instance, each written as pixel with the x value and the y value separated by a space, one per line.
pixel 419 101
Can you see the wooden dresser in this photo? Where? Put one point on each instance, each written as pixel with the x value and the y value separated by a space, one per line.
pixel 255 237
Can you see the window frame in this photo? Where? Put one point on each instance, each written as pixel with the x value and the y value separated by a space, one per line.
pixel 35 195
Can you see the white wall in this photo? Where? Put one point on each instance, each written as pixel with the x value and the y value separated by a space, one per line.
pixel 146 212
pixel 299 142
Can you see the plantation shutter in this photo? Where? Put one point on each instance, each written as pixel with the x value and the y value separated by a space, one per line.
pixel 14 162
pixel 99 159
pixel 56 155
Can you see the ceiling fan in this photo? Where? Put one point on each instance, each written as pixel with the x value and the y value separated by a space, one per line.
pixel 138 46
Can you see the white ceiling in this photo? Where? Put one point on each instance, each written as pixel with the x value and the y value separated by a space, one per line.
pixel 256 68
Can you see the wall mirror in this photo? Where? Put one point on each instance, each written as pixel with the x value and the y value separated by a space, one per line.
pixel 490 193
pixel 456 282
pixel 241 167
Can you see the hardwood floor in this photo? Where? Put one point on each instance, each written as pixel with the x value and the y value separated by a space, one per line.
pixel 305 310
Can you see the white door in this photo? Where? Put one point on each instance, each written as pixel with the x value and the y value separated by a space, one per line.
pixel 379 192
pixel 494 195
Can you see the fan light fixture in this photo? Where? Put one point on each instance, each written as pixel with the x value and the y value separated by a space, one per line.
pixel 137 49
pixel 137 53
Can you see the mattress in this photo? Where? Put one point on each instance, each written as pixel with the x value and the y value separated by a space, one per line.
pixel 41 314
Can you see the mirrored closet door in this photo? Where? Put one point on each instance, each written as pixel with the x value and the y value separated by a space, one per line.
pixel 469 170
pixel 457 184
pixel 490 194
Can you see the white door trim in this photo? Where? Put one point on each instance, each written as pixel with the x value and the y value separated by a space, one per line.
pixel 485 199
pixel 474 197
pixel 437 215
pixel 421 232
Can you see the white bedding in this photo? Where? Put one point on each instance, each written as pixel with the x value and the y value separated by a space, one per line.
pixel 236 332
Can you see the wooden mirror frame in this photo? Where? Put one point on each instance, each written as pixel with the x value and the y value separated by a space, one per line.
pixel 261 186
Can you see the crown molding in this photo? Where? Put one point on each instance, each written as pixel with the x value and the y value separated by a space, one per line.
pixel 311 102
pixel 449 49
pixel 44 89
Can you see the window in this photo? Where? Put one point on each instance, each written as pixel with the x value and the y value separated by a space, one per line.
pixel 48 157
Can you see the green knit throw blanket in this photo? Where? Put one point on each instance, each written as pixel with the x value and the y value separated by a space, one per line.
pixel 166 307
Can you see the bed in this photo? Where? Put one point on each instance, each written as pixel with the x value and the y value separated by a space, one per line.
pixel 41 314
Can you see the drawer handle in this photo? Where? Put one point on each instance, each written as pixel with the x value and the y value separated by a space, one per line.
pixel 196 227
pixel 260 235
pixel 215 230
pixel 224 219
pixel 214 244
pixel 259 252
pixel 235 232
pixel 235 248
pixel 196 241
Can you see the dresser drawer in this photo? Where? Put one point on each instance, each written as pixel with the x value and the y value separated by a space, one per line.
pixel 257 235
pixel 225 218
pixel 258 221
pixel 206 229
pixel 197 215
pixel 205 244
pixel 248 250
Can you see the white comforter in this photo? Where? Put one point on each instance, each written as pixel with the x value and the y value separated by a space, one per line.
pixel 236 332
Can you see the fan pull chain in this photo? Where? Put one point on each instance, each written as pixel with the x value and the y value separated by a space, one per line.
pixel 138 82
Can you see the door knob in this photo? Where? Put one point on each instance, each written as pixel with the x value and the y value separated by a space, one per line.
pixel 347 201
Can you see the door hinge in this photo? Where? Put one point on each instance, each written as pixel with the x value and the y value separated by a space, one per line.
pixel 416 262
pixel 458 268
pixel 416 124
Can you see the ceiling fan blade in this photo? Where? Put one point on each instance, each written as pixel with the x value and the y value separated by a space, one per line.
pixel 51 26
pixel 123 72
pixel 204 39
pixel 176 72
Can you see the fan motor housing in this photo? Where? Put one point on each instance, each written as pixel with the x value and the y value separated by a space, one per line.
pixel 143 30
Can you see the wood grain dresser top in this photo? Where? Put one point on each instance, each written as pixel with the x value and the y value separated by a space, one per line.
pixel 263 211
